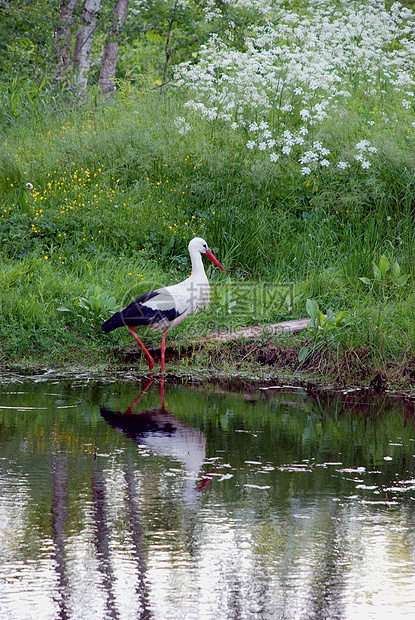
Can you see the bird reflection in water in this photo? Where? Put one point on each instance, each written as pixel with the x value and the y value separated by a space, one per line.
pixel 165 435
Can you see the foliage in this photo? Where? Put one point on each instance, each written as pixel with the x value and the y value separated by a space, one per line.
pixel 26 30
pixel 166 32
pixel 95 306
pixel 321 326
pixel 386 274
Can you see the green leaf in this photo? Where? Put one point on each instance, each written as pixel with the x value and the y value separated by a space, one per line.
pixel 402 280
pixel 330 316
pixel 312 308
pixel 62 309
pixel 365 280
pixel 396 270
pixel 303 354
pixel 384 266
pixel 376 271
pixel 341 316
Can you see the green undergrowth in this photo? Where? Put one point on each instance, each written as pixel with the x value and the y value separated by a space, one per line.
pixel 98 206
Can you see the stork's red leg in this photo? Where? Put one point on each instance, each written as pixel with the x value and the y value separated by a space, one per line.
pixel 162 391
pixel 133 404
pixel 150 359
pixel 163 350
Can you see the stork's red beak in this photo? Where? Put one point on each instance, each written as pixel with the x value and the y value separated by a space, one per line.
pixel 214 260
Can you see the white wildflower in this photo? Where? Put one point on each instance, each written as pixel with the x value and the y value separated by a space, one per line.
pixel 309 156
pixel 343 165
pixel 274 157
pixel 300 66
pixel 182 125
pixel 250 144
pixel 305 171
pixel 362 145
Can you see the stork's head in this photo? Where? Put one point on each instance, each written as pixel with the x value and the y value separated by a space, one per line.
pixel 197 244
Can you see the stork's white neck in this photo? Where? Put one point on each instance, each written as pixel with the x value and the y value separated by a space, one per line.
pixel 198 270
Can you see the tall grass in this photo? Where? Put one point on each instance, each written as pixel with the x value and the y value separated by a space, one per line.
pixel 110 198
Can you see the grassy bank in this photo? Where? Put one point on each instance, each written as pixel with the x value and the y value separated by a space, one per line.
pixel 99 204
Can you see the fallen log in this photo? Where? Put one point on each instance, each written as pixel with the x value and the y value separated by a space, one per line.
pixel 256 331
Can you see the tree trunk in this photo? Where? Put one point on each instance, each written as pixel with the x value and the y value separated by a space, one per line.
pixel 110 54
pixel 168 49
pixel 63 35
pixel 83 43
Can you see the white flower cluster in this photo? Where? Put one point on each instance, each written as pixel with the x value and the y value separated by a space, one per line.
pixel 212 11
pixel 314 158
pixel 182 125
pixel 298 71
pixel 363 147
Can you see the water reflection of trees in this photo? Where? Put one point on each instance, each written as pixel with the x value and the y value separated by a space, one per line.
pixel 288 549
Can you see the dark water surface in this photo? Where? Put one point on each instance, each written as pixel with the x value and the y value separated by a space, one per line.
pixel 268 505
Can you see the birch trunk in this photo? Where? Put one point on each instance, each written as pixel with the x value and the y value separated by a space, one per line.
pixel 63 35
pixel 110 54
pixel 83 43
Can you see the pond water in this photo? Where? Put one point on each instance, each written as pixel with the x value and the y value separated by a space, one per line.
pixel 264 505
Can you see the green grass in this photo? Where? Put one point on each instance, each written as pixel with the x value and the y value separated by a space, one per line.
pixel 118 193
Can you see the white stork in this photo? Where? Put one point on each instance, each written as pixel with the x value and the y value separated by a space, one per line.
pixel 167 307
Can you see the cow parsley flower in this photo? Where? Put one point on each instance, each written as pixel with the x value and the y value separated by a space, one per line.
pixel 362 145
pixel 182 125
